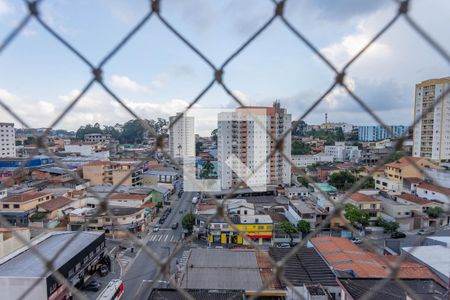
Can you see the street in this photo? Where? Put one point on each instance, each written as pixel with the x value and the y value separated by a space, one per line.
pixel 144 269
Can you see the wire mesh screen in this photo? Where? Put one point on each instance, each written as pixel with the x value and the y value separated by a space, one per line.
pixel 156 12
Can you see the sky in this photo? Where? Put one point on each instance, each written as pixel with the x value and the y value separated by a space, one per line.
pixel 157 75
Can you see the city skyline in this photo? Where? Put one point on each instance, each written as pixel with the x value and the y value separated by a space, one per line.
pixel 154 84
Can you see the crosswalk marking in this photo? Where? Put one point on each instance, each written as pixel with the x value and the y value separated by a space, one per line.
pixel 161 238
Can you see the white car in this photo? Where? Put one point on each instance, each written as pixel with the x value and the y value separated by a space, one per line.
pixel 356 240
pixel 156 228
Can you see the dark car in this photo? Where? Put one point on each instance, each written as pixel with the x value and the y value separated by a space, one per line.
pixel 93 286
pixel 162 220
pixel 175 225
pixel 398 235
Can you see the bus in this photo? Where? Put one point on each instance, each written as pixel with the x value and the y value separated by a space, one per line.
pixel 113 290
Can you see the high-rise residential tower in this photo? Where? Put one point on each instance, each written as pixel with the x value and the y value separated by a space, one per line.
pixel 181 137
pixel 244 144
pixel 432 132
pixel 7 140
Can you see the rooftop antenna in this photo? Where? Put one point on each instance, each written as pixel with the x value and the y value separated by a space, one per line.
pixel 326 118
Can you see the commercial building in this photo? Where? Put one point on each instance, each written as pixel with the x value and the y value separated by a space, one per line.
pixel 89 149
pixel 302 161
pixel 432 132
pixel 181 136
pixel 378 132
pixel 244 144
pixel 22 269
pixel 7 140
pixel 96 137
pixel 341 152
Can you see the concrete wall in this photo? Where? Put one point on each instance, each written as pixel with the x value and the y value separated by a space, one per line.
pixel 12 288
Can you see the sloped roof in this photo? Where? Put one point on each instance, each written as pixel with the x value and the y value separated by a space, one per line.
pixel 360 197
pixel 24 197
pixel 434 188
pixel 414 199
pixel 305 267
pixel 55 203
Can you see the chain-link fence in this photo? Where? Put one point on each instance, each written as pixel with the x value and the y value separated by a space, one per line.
pixel 156 11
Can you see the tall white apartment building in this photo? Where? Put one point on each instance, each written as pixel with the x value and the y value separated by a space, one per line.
pixel 7 140
pixel 432 133
pixel 243 145
pixel 182 137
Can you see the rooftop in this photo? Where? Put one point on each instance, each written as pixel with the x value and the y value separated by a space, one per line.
pixel 55 203
pixel 25 197
pixel 434 188
pixel 127 196
pixel 342 255
pixel 437 257
pixel 403 162
pixel 23 263
pixel 257 219
pixel 305 267
pixel 414 199
pixel 424 288
pixel 360 197
pixel 198 294
pixel 222 269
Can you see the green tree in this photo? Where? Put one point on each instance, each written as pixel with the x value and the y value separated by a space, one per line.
pixel 369 183
pixel 188 222
pixel 342 180
pixel 304 227
pixel 208 170
pixel 214 135
pixel 302 181
pixel 395 156
pixel 299 129
pixel 356 216
pixel 389 226
pixel 340 137
pixel 300 148
pixel 435 212
pixel 289 229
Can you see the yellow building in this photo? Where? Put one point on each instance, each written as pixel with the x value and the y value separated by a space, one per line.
pixel 392 177
pixel 369 204
pixel 258 228
pixel 17 208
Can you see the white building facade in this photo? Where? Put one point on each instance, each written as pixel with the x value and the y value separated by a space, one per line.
pixel 342 153
pixel 7 140
pixel 244 144
pixel 432 132
pixel 181 137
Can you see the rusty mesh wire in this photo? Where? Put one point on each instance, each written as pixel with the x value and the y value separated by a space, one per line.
pixel 218 71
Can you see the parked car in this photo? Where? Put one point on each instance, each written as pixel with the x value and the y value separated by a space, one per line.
pixel 423 232
pixel 398 235
pixel 180 211
pixel 103 270
pixel 283 245
pixel 156 228
pixel 93 286
pixel 356 240
pixel 175 225
pixel 162 220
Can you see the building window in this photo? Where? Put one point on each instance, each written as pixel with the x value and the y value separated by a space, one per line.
pixel 5 205
pixel 16 206
pixel 260 227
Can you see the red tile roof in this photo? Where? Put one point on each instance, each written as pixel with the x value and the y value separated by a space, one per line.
pixel 414 199
pixel 403 162
pixel 341 254
pixel 434 188
pixel 360 197
pixel 24 197
pixel 55 203
pixel 149 205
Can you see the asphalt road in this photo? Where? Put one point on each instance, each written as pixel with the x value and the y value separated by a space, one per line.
pixel 143 270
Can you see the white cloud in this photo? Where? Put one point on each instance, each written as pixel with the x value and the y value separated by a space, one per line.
pixel 125 83
pixel 5 8
pixel 341 52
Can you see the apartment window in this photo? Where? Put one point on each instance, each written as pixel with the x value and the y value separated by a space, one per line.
pixel 16 206
pixel 260 227
pixel 5 205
